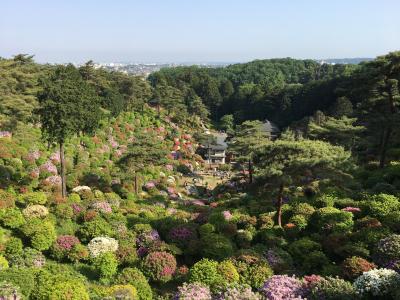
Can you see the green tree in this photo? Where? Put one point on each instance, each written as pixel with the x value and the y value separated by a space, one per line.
pixel 146 149
pixel 249 136
pixel 227 123
pixel 342 108
pixel 67 106
pixel 284 162
pixel 336 131
pixel 380 107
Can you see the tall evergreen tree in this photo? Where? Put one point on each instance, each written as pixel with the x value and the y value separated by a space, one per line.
pixel 249 136
pixel 145 150
pixel 67 106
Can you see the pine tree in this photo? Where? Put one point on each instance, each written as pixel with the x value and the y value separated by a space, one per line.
pixel 249 136
pixel 282 162
pixel 146 149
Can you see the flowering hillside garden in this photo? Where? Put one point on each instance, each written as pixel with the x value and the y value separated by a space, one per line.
pixel 117 202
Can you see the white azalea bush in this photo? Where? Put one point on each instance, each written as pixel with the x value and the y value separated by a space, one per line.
pixel 81 188
pixel 35 211
pixel 102 244
pixel 377 282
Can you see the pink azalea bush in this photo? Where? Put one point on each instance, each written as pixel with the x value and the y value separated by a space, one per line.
pixel 193 291
pixel 283 287
pixel 102 206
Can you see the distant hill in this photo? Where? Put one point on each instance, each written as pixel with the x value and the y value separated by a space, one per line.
pixel 345 61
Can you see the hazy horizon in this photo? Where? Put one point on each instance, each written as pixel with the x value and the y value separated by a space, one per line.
pixel 204 32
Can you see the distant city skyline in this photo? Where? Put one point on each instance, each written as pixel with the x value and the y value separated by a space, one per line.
pixel 177 31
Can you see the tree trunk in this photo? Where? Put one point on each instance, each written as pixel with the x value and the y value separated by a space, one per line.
pixel 384 146
pixel 63 179
pixel 279 206
pixel 136 185
pixel 250 172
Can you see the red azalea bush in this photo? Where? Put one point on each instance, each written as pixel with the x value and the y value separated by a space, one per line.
pixel 354 266
pixel 159 266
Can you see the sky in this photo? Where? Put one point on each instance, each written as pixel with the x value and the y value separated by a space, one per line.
pixel 197 30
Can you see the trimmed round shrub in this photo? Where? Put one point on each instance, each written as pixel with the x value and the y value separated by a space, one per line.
pixel 13 247
pixel 387 249
pixel 314 262
pixel 32 198
pixel 283 287
pixel 216 246
pixel 126 291
pixel 352 267
pixel 392 220
pixel 301 248
pixel 331 288
pixel 94 228
pixel 41 233
pixel 380 205
pixel 330 219
pixel 256 274
pixel 279 260
pixel 377 283
pixel 136 278
pixel 206 229
pixel 303 209
pixel 159 266
pixel 206 271
pixel 299 221
pixel 11 217
pixel 59 286
pixel 228 272
pixel 106 265
pixel 193 291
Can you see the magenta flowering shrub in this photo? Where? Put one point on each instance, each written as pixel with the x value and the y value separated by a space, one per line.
pixel 159 266
pixel 76 208
pixel 181 235
pixel 67 242
pixel 102 206
pixel 351 209
pixel 283 287
pixel 193 291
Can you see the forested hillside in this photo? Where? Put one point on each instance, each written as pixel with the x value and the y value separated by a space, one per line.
pixel 103 194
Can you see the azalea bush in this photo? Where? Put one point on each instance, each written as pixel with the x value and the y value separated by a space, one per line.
pixel 377 282
pixel 159 266
pixel 283 287
pixel 102 244
pixel 193 291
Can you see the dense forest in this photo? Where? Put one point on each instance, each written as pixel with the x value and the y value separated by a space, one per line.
pixel 103 194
